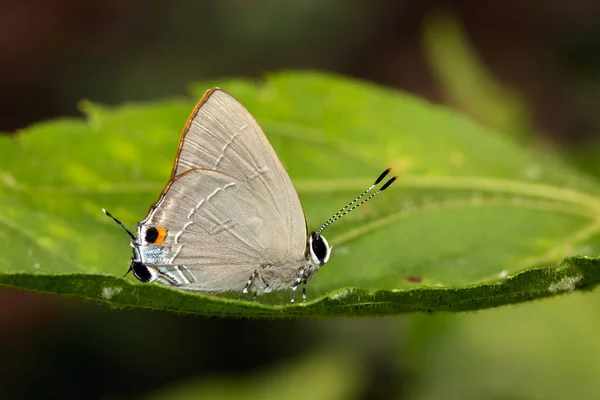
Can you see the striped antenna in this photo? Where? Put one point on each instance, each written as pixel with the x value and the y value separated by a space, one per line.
pixel 349 207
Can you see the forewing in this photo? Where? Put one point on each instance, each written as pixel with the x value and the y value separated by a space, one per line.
pixel 222 135
pixel 217 227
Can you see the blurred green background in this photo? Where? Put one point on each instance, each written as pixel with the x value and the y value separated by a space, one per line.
pixel 527 69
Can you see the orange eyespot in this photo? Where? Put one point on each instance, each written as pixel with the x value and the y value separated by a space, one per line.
pixel 162 234
pixel 155 235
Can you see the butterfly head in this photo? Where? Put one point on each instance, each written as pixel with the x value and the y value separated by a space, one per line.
pixel 319 249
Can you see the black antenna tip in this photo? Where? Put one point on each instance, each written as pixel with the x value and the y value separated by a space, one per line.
pixel 383 175
pixel 388 183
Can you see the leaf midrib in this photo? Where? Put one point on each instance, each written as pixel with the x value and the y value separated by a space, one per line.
pixel 474 183
pixel 462 203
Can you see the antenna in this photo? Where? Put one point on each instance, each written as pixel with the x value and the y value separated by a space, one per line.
pixel 347 208
pixel 120 224
pixel 130 235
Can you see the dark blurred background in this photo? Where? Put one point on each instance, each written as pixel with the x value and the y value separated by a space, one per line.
pixel 539 62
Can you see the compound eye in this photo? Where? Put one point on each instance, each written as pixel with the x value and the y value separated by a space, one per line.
pixel 319 249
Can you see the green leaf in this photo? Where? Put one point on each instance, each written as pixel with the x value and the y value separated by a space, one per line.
pixel 473 221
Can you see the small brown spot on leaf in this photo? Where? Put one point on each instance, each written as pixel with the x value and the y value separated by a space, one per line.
pixel 414 279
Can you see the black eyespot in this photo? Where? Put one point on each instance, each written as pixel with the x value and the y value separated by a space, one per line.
pixel 319 247
pixel 151 235
pixel 140 271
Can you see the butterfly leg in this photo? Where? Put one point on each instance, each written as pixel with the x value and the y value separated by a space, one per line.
pixel 252 277
pixel 297 283
pixel 304 290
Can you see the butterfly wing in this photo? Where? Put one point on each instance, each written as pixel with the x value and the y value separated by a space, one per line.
pixel 222 135
pixel 219 229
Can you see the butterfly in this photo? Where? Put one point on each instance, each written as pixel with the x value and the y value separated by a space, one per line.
pixel 230 218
